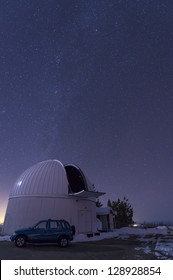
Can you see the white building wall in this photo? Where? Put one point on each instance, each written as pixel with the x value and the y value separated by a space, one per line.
pixel 23 212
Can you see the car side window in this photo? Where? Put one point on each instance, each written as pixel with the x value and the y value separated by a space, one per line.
pixel 53 225
pixel 65 225
pixel 59 227
pixel 41 225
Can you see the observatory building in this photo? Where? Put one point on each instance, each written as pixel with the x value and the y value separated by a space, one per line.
pixel 51 190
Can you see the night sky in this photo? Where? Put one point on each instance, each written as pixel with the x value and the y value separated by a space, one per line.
pixel 90 82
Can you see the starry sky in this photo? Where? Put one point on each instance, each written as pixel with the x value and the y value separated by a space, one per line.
pixel 90 82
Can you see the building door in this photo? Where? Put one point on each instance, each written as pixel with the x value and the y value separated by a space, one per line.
pixel 85 221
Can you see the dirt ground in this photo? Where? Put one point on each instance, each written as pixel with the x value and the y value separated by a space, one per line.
pixel 107 249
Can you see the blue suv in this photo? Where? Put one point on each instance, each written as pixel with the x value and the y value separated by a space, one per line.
pixel 46 231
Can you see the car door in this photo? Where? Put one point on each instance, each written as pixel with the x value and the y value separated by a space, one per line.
pixel 39 232
pixel 55 230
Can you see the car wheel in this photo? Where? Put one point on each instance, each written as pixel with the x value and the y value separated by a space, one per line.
pixel 20 241
pixel 63 241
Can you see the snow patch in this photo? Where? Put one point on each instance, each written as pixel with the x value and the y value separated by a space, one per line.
pixel 146 250
pixel 164 248
pixel 5 238
pixel 85 238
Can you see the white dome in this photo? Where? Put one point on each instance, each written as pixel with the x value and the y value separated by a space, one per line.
pixel 46 178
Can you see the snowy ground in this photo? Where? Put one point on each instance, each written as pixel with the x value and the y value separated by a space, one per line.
pixel 124 233
pixel 162 236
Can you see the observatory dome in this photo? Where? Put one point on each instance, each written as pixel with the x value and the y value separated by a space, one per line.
pixel 46 178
